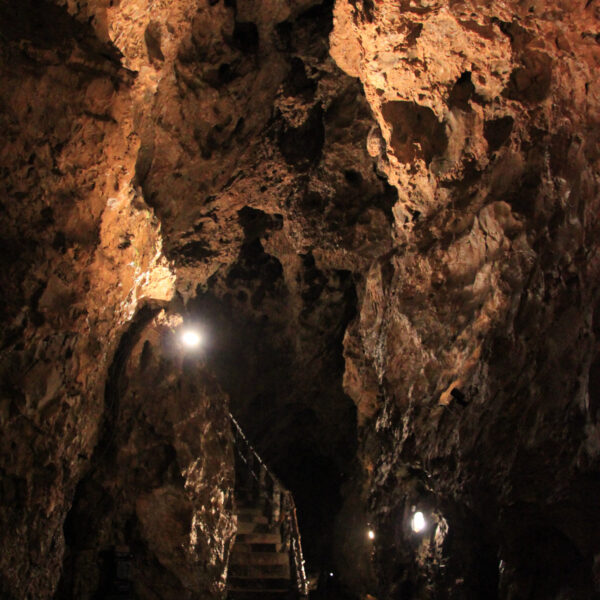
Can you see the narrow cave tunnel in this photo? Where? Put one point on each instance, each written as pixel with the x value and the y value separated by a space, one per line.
pixel 281 363
pixel 299 280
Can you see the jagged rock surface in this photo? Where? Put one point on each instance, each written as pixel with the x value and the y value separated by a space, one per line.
pixel 432 214
pixel 224 133
pixel 161 478
pixel 81 251
pixel 470 359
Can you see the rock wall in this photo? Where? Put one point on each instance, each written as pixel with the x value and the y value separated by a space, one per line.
pixel 142 126
pixel 81 251
pixel 470 359
pixel 160 487
pixel 435 207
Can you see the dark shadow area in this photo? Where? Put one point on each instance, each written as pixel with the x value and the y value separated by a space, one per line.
pixel 91 501
pixel 462 92
pixel 303 146
pixel 497 132
pixel 282 367
pixel 416 131
pixel 551 562
pixel 530 83
pixel 28 21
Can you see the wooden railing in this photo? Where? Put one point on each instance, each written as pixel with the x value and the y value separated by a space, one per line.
pixel 278 499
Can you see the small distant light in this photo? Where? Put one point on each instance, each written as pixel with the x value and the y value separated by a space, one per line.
pixel 371 534
pixel 330 574
pixel 190 338
pixel 418 522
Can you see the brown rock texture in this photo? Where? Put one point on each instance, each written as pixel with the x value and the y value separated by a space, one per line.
pixel 161 477
pixel 470 359
pixel 81 250
pixel 224 133
pixel 383 214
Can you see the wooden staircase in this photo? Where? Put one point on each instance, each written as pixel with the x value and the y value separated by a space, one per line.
pixel 266 557
pixel 259 566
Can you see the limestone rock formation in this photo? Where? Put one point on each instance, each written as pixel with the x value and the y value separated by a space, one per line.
pixel 384 215
pixel 161 477
pixel 477 334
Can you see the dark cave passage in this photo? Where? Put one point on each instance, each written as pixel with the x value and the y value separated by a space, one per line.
pixel 282 367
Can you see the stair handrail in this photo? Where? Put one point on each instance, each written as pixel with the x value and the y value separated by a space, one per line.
pixel 255 454
pixel 296 542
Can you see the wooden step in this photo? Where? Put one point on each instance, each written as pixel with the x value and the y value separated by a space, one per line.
pixel 258 583
pixel 258 538
pixel 260 547
pixel 250 527
pixel 250 518
pixel 250 510
pixel 239 557
pixel 241 571
pixel 243 593
pixel 259 595
pixel 258 569
pixel 260 504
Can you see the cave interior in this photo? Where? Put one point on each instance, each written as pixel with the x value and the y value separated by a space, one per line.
pixel 367 232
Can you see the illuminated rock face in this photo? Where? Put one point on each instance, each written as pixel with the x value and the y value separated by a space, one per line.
pixel 388 210
pixel 160 486
pixel 81 251
pixel 476 335
pixel 142 142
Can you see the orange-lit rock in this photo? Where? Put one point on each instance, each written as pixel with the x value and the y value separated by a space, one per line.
pixel 162 475
pixel 480 333
pixel 385 216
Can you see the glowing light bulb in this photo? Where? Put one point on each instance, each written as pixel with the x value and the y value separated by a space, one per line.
pixel 190 338
pixel 371 534
pixel 330 574
pixel 418 522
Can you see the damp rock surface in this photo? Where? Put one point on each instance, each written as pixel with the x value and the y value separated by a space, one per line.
pixel 385 216
pixel 473 353
pixel 154 154
pixel 159 487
